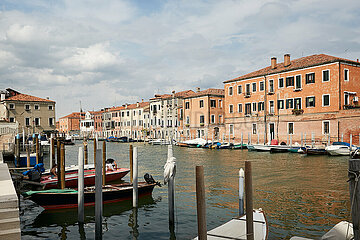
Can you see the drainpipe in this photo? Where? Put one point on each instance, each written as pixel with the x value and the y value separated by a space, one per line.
pixel 339 86
pixel 265 109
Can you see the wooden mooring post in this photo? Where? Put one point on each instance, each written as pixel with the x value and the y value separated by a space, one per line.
pixel 354 177
pixel 103 163
pixel 81 186
pixel 98 195
pixel 17 150
pixel 86 156
pixel 95 148
pixel 58 158
pixel 249 201
pixel 131 162
pixel 28 156
pixel 200 203
pixel 62 166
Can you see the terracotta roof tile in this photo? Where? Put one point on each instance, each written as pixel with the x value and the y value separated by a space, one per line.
pixel 177 95
pixel 210 91
pixel 134 105
pixel 299 63
pixel 72 115
pixel 27 98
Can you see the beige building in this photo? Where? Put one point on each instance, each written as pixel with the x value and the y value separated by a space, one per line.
pixel 33 114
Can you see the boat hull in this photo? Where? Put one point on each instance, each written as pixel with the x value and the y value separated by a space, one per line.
pixel 71 178
pixel 111 194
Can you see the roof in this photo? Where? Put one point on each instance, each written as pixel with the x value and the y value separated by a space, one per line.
pixel 27 98
pixel 72 115
pixel 208 92
pixel 181 94
pixel 135 105
pixel 304 62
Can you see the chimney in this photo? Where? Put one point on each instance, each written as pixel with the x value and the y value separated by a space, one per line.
pixel 273 62
pixel 357 60
pixel 287 60
pixel 197 89
pixel 47 98
pixel 142 100
pixel 137 104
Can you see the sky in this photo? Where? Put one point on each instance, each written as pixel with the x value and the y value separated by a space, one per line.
pixel 104 53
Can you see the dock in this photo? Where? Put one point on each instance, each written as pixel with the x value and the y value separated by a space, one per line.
pixel 9 205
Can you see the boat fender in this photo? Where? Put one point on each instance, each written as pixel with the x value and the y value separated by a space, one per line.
pixel 150 180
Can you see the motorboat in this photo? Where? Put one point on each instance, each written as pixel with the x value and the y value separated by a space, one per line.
pixel 340 149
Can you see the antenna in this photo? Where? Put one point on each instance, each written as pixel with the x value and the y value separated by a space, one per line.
pixel 80 107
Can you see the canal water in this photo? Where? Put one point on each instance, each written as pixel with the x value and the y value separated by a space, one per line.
pixel 301 195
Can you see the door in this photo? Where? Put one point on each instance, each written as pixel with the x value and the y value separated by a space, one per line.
pixel 272 131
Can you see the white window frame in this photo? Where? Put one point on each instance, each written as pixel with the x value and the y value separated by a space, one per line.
pixel 273 90
pixel 11 119
pixel 263 83
pixel 322 99
pixel 273 111
pixel 239 110
pixel 231 90
pixel 252 87
pixel 52 122
pixel 252 107
pixel 220 103
pixel 314 78
pixel 348 74
pixel 37 106
pixel 51 107
pixel 212 118
pixel 296 87
pixel 239 87
pixel 284 103
pixel 323 125
pixel 282 81
pixel 231 107
pixel 39 124
pixel 27 107
pixel 348 97
pixel 306 101
pixel 29 121
pixel 231 129
pixel 252 128
pixel 322 76
pixel 288 124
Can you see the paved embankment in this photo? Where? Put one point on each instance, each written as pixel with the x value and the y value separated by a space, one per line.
pixel 9 205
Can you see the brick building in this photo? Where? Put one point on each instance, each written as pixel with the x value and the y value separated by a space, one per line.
pixel 202 115
pixel 70 124
pixel 314 96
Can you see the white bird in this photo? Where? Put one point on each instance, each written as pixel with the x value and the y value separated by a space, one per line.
pixel 169 169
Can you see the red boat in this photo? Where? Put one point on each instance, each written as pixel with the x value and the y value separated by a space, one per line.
pixel 71 178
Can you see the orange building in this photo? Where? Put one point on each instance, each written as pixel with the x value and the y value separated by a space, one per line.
pixel 202 114
pixel 314 96
pixel 70 124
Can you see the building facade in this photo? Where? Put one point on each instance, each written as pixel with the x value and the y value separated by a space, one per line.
pixel 70 124
pixel 33 114
pixel 310 97
pixel 202 115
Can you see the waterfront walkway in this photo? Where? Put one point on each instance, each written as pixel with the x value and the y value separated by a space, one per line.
pixel 9 205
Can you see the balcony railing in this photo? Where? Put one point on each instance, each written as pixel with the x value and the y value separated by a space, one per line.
pixel 297 111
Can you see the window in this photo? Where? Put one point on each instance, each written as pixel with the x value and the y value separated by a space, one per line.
pixel 326 75
pixel 289 103
pixel 310 78
pixel 230 91
pixel 139 112
pixel 346 74
pixel 187 105
pixel 231 108
pixel 326 127
pixel 122 113
pixel 247 108
pixel 213 103
pixel 239 89
pixel 128 113
pixel 240 107
pixel 281 82
pixel 201 103
pixel 326 100
pixel 11 119
pixel 231 129
pixel 36 107
pixel 220 118
pixel 187 120
pixel 346 99
pixel 212 118
pixel 254 87
pixel 261 106
pixel 261 86
pixel 51 121
pixel 27 107
pixel 289 81
pixel 220 103
pixel 27 121
pixel 254 107
pixel 254 128
pixel 51 107
pixel 310 101
pixel 271 107
pixel 247 89
pixel 290 128
pixel 202 119
pixel 297 103
pixel 271 85
pixel 37 121
pixel 280 104
pixel 297 81
pixel 12 106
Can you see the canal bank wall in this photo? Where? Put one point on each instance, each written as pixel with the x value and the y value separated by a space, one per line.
pixel 9 205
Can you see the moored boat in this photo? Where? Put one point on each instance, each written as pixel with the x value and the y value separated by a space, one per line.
pixel 316 151
pixel 68 198
pixel 340 149
pixel 71 178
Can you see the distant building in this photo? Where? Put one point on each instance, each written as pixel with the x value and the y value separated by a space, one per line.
pixel 317 95
pixel 202 115
pixel 33 114
pixel 70 124
pixel 87 125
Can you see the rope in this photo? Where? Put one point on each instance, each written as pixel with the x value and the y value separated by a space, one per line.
pixel 357 176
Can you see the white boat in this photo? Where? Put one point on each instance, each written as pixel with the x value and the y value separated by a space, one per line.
pixel 159 142
pixel 196 142
pixel 342 230
pixel 340 149
pixel 236 228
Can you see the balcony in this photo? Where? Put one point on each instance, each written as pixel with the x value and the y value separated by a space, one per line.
pixel 202 124
pixel 271 92
pixel 297 89
pixel 187 125
pixel 348 106
pixel 247 94
pixel 297 111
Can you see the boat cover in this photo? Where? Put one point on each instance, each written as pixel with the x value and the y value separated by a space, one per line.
pixel 29 193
